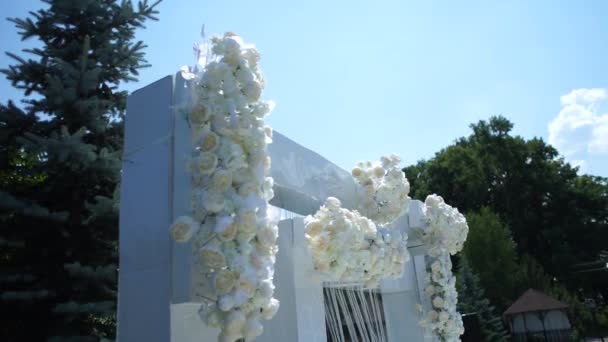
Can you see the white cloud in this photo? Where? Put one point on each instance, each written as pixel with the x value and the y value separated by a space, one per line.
pixel 580 131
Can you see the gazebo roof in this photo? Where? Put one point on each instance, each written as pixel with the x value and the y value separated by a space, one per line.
pixel 533 300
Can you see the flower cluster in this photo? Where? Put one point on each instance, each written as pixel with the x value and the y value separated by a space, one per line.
pixel 442 318
pixel 444 235
pixel 446 229
pixel 347 247
pixel 384 189
pixel 235 242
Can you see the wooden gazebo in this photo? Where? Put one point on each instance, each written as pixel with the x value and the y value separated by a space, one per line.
pixel 537 316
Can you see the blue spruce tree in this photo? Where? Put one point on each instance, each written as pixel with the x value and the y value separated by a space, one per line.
pixel 60 166
pixel 471 300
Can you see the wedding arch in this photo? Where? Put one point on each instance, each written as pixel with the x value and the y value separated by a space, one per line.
pixel 171 176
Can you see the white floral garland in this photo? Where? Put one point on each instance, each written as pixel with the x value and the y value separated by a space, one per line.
pixel 384 189
pixel 234 240
pixel 444 235
pixel 347 246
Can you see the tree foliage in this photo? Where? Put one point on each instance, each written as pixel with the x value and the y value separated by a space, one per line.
pixel 492 253
pixel 60 166
pixel 472 301
pixel 557 217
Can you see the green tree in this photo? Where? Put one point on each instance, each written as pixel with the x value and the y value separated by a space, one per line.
pixel 60 166
pixel 493 255
pixel 555 215
pixel 531 275
pixel 471 299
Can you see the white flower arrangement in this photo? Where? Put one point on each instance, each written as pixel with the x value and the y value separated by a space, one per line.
pixel 348 247
pixel 446 229
pixel 234 240
pixel 444 234
pixel 383 188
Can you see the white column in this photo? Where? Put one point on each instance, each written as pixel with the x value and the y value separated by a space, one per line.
pixel 143 283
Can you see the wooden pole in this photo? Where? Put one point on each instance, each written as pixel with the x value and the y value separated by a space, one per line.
pixel 542 316
pixel 525 326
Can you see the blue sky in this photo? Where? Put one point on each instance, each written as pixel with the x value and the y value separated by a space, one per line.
pixel 354 80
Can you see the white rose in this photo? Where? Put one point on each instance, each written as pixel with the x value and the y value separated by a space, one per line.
pixel 267 236
pixel 321 266
pixel 259 109
pixel 248 280
pixel 378 171
pixel 266 288
pixel 247 188
pixel 224 281
pixel 211 315
pixel 199 114
pixel 438 302
pixel 244 75
pixel 213 201
pixel 225 303
pixel 234 323
pixel 267 188
pixel 267 164
pixel 184 228
pixel 270 309
pixel 200 214
pixel 210 142
pixel 247 220
pixel 221 180
pixel 332 203
pixel 436 267
pixel 252 55
pixel 240 297
pixel 253 329
pixel 226 337
pixel 205 163
pixel 225 228
pixel 252 90
pixel 212 257
pixel 313 227
pixel 433 201
pixel 268 133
